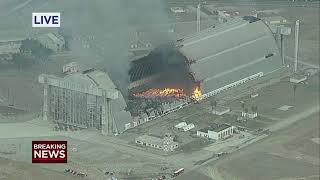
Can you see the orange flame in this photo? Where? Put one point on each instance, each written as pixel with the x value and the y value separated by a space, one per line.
pixel 196 95
pixel 167 92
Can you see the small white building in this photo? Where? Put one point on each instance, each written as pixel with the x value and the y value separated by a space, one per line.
pixel 250 115
pixel 220 110
pixel 271 20
pixel 166 144
pixel 177 9
pixel 184 126
pixel 180 125
pixel 216 131
pixel 188 127
pixel 71 68
pixel 52 41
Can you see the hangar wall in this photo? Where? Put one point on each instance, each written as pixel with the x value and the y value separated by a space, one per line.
pixel 233 51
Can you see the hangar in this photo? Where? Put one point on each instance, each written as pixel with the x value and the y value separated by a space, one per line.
pixel 214 59
pixel 86 99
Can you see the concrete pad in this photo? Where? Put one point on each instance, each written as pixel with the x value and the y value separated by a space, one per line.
pixel 285 108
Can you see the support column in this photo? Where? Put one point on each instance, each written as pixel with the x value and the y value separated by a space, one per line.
pixel 45 101
pixel 104 117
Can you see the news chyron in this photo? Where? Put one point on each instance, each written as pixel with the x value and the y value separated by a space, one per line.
pixel 46 19
pixel 49 152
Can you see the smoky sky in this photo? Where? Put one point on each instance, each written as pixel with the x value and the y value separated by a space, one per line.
pixel 102 31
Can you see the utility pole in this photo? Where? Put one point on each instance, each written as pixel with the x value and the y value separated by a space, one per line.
pixel 296 46
pixel 199 17
pixel 282 49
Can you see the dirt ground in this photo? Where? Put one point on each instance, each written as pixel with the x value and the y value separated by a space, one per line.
pixel 16 170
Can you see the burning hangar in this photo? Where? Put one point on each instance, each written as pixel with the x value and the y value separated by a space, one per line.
pixel 168 78
pixel 210 61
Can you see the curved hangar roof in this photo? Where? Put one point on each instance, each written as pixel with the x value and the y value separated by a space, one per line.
pixel 233 51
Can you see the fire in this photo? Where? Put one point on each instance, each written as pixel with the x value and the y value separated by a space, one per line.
pixel 196 94
pixel 166 92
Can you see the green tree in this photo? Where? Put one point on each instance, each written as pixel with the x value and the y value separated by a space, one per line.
pixel 213 103
pixel 19 60
pixel 34 48
pixel 246 110
pixel 242 106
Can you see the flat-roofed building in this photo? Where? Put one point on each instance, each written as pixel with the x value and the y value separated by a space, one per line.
pixel 219 110
pixel 216 131
pixel 166 144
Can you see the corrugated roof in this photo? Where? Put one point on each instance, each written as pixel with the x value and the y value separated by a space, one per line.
pixel 230 52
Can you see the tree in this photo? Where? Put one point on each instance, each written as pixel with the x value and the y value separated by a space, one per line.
pixel 67 35
pixel 242 105
pixel 34 48
pixel 246 110
pixel 213 103
pixel 19 60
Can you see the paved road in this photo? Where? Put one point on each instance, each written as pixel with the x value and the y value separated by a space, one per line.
pixel 302 62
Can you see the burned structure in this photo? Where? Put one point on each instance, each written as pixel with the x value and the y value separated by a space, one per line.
pixel 210 61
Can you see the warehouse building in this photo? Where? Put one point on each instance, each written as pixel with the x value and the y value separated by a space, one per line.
pixel 166 144
pixel 86 99
pixel 216 131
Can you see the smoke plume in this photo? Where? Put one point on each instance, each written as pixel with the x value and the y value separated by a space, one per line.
pixel 102 31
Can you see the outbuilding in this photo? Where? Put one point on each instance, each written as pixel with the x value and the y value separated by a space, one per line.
pixel 166 144
pixel 219 110
pixel 216 131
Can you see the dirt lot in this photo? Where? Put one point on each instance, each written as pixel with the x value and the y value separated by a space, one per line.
pixel 16 170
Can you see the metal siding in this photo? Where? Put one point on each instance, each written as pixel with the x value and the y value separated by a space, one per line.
pixel 265 66
pixel 231 52
pixel 219 39
pixel 227 60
